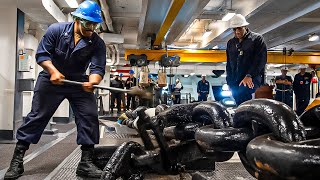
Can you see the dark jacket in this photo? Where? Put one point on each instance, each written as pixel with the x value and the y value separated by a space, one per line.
pixel 284 86
pixel 57 45
pixel 248 57
pixel 130 85
pixel 203 87
pixel 176 90
pixel 301 85
pixel 117 83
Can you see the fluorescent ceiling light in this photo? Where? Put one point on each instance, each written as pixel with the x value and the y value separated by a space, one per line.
pixel 226 93
pixel 228 16
pixel 206 34
pixel 186 75
pixel 193 46
pixel 225 87
pixel 314 38
pixel 191 74
pixel 229 102
pixel 215 47
pixel 72 3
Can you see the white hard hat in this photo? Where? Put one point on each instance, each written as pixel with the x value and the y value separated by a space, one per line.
pixel 284 69
pixel 177 80
pixel 203 75
pixel 238 21
pixel 116 74
pixel 303 66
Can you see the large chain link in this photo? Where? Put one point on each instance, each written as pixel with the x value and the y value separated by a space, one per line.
pixel 271 140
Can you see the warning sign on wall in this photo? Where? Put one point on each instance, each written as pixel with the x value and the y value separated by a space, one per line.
pixel 24 65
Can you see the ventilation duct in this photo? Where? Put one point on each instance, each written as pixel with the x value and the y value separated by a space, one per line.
pixel 54 10
pixel 110 38
pixel 105 11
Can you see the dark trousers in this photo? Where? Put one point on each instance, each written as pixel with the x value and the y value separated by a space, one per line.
pixel 123 100
pixel 129 99
pixel 301 103
pixel 177 99
pixel 118 97
pixel 285 97
pixel 242 93
pixel 202 97
pixel 157 99
pixel 45 102
pixel 146 102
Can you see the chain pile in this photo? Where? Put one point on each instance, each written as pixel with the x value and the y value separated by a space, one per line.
pixel 271 140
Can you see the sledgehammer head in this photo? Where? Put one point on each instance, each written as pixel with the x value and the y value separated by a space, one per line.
pixel 140 92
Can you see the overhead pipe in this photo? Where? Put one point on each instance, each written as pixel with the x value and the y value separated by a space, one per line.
pixel 106 14
pixel 104 27
pixel 54 10
pixel 117 53
pixel 111 55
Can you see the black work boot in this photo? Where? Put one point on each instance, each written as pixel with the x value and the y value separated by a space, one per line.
pixel 16 166
pixel 86 167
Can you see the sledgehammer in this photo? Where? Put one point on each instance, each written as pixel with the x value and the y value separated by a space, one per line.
pixel 134 90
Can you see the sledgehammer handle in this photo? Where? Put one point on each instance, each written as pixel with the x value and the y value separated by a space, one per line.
pixel 97 86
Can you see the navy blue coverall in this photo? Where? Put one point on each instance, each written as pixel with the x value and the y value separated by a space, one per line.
pixel 130 97
pixel 283 91
pixel 301 88
pixel 203 90
pixel 245 58
pixel 57 45
pixel 117 83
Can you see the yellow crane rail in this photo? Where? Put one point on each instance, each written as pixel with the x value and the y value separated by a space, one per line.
pixel 220 56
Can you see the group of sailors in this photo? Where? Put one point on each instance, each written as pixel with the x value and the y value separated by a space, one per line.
pixel 285 87
pixel 300 85
pixel 128 101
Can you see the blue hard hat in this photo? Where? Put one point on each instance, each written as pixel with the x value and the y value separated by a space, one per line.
pixel 89 10
pixel 131 71
pixel 149 76
pixel 120 74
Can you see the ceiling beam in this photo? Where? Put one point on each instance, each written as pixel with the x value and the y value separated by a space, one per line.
pixel 290 18
pixel 306 45
pixel 142 20
pixel 220 56
pixel 128 14
pixel 189 12
pixel 294 36
pixel 223 33
pixel 106 14
pixel 174 9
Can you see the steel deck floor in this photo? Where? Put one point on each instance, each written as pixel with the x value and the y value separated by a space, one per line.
pixel 224 171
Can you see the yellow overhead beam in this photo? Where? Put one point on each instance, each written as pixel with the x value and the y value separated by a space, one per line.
pixel 175 7
pixel 220 56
